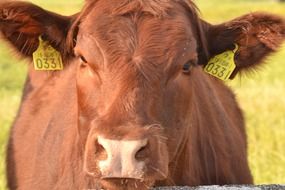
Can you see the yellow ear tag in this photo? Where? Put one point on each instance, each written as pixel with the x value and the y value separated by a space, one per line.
pixel 222 65
pixel 46 58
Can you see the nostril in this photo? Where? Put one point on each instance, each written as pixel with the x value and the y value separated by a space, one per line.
pixel 100 151
pixel 142 153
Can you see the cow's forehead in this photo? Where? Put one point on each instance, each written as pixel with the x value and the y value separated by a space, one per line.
pixel 115 13
pixel 140 34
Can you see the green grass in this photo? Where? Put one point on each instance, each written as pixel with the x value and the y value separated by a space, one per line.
pixel 261 95
pixel 11 81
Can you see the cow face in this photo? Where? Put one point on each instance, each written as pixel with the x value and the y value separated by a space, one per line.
pixel 134 75
pixel 127 83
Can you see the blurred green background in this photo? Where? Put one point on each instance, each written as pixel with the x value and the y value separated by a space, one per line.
pixel 261 95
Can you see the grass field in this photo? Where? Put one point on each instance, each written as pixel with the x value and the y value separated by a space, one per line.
pixel 261 95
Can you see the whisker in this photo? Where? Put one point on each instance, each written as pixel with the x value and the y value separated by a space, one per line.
pixel 148 187
pixel 155 125
pixel 159 171
pixel 136 185
pixel 161 137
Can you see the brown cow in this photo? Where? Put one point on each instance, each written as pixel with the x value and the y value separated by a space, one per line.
pixel 132 108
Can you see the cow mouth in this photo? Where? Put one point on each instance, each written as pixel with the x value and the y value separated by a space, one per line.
pixel 124 179
pixel 126 184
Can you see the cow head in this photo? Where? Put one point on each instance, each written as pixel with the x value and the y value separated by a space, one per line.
pixel 135 63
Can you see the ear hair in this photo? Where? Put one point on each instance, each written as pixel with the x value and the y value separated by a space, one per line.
pixel 261 35
pixel 257 34
pixel 22 23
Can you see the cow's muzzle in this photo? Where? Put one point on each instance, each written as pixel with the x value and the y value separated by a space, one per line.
pixel 130 153
pixel 111 159
pixel 123 160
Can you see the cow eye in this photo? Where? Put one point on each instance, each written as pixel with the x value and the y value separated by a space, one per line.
pixel 82 59
pixel 188 66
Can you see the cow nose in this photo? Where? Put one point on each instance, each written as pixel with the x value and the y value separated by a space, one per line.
pixel 126 158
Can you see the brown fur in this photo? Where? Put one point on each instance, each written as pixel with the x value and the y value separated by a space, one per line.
pixel 129 85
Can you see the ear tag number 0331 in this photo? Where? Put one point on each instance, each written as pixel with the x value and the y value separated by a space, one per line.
pixel 46 58
pixel 222 65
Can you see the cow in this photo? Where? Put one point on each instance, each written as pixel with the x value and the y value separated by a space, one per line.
pixel 132 106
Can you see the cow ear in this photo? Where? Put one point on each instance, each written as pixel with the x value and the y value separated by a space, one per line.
pixel 21 24
pixel 257 35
